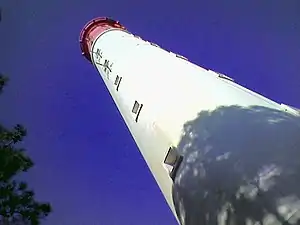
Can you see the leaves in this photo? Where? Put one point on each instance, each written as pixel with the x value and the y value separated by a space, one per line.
pixel 3 81
pixel 12 160
pixel 17 202
pixel 12 137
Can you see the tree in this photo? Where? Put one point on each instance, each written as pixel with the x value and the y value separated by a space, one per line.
pixel 240 166
pixel 3 81
pixel 17 202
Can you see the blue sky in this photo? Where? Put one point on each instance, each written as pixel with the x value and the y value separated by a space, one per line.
pixel 87 164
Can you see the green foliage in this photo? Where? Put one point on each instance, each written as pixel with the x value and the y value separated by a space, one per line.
pixel 17 202
pixel 3 81
pixel 12 159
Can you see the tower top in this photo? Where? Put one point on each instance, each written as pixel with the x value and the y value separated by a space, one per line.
pixel 92 30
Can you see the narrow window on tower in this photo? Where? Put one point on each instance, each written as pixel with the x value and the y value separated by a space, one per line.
pixel 153 44
pixel 136 109
pixel 172 162
pixel 118 81
pixel 181 57
pixel 223 76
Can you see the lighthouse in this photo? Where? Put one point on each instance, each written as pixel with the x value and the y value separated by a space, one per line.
pixel 219 152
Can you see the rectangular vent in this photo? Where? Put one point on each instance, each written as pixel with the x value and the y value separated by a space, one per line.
pixel 153 44
pixel 136 109
pixel 138 37
pixel 181 57
pixel 172 162
pixel 117 81
pixel 224 76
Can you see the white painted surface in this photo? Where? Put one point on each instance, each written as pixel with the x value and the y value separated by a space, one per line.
pixel 172 91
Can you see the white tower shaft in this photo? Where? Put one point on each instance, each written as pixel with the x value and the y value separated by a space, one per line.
pixel 158 93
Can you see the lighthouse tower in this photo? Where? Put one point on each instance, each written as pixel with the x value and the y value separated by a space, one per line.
pixel 220 153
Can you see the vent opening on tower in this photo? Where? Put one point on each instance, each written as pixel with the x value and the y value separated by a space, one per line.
pixel 172 162
pixel 181 57
pixel 136 109
pixel 118 81
pixel 223 76
pixel 153 44
pixel 138 37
